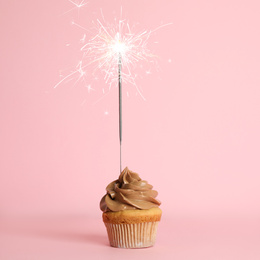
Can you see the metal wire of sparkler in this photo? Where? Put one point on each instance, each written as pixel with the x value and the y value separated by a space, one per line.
pixel 120 106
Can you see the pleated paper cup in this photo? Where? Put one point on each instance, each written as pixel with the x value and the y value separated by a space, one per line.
pixel 132 228
pixel 132 235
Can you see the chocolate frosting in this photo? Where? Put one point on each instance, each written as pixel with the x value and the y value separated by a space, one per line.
pixel 129 192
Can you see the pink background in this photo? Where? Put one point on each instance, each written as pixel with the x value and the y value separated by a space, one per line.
pixel 195 138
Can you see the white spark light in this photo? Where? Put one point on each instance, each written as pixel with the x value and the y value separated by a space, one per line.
pixel 114 44
pixel 83 38
pixel 89 88
pixel 79 4
pixel 109 46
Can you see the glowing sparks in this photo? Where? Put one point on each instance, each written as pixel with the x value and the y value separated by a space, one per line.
pixel 116 44
pixel 109 47
pixel 79 4
pixel 89 88
pixel 83 39
pixel 112 45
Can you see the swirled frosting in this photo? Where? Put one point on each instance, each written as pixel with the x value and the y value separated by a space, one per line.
pixel 129 191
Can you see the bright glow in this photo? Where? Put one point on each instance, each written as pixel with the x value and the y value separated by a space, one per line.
pixel 119 48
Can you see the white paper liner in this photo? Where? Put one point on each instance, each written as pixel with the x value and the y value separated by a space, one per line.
pixel 132 235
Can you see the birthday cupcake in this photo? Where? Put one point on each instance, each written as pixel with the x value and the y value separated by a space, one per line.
pixel 130 211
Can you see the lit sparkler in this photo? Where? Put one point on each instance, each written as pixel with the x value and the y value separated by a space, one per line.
pixel 114 50
pixel 111 49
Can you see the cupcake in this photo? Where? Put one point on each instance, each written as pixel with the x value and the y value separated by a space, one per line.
pixel 130 211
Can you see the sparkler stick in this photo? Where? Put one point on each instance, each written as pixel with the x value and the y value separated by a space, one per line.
pixel 120 105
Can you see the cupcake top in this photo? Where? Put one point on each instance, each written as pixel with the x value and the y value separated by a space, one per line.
pixel 129 191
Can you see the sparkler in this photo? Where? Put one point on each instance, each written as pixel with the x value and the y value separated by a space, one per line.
pixel 115 50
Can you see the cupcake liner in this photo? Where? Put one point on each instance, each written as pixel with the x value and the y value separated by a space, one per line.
pixel 136 235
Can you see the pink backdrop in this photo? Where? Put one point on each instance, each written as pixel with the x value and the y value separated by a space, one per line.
pixel 195 138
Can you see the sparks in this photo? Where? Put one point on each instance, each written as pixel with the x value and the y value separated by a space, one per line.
pixel 79 4
pixel 111 42
pixel 109 46
pixel 89 88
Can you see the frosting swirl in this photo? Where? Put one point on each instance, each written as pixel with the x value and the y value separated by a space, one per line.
pixel 129 191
